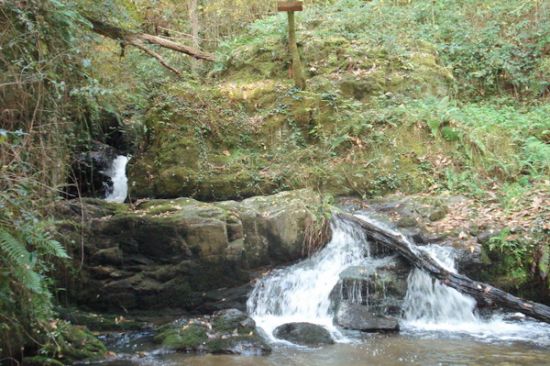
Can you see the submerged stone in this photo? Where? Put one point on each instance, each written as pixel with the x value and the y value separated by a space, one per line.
pixel 304 334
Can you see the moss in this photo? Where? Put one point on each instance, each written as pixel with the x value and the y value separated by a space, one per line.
pixel 73 343
pixel 187 338
pixel 515 265
pixel 99 322
pixel 41 361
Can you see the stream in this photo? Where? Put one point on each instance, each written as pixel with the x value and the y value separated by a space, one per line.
pixel 438 325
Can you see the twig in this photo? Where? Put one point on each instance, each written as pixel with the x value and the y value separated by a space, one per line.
pixel 150 52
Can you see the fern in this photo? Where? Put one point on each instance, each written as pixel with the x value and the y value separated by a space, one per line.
pixel 31 280
pixel 13 249
pixel 54 248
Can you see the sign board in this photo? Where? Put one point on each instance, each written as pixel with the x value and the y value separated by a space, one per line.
pixel 290 6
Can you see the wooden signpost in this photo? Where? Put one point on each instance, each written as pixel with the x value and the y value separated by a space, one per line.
pixel 297 71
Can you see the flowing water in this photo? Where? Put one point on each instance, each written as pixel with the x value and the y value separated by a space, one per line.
pixel 117 172
pixel 301 293
pixel 439 326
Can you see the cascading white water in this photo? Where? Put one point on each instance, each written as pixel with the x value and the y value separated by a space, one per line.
pixel 117 173
pixel 301 293
pixel 430 306
pixel 431 302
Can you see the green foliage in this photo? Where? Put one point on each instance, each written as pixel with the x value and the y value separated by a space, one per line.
pixel 490 48
pixel 27 254
pixel 514 262
pixel 508 247
pixel 40 69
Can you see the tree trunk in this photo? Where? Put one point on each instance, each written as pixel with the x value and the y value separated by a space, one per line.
pixel 133 38
pixel 483 293
pixel 195 28
pixel 297 71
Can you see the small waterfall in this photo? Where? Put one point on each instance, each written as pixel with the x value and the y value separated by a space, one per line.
pixel 117 173
pixel 429 301
pixel 301 293
pixel 431 307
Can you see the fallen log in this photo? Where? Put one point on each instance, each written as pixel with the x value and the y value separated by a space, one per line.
pixel 481 292
pixel 138 39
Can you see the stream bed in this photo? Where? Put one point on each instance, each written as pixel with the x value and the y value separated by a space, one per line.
pixel 376 349
pixel 438 325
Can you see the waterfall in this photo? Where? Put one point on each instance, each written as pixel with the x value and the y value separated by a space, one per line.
pixel 431 307
pixel 301 293
pixel 429 301
pixel 117 173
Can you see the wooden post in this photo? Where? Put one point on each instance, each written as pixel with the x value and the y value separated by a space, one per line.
pixel 297 71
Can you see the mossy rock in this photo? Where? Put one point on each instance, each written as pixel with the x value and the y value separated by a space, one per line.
pixel 41 361
pixel 99 322
pixel 190 337
pixel 232 319
pixel 229 331
pixel 74 343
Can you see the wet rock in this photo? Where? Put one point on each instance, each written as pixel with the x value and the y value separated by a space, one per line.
pixel 226 298
pixel 361 317
pixel 381 289
pixel 232 319
pixel 470 260
pixel 88 167
pixel 248 345
pixel 304 334
pixel 108 256
pixel 226 332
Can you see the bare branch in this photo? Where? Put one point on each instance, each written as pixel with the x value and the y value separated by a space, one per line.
pixel 152 53
pixel 133 38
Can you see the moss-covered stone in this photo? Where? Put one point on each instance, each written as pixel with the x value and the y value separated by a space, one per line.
pixel 168 253
pixel 73 343
pixel 232 319
pixel 99 322
pixel 190 337
pixel 229 331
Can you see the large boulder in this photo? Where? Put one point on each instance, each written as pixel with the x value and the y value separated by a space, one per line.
pixel 304 334
pixel 177 253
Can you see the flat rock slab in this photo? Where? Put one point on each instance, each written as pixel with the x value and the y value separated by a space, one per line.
pixel 304 334
pixel 360 317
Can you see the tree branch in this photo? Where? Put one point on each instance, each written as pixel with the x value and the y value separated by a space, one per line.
pixel 134 38
pixel 482 292
pixel 157 56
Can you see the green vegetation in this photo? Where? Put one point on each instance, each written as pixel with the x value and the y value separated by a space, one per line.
pixel 409 96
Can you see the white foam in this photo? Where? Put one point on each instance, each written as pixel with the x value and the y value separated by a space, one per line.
pixel 117 173
pixel 301 293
